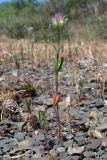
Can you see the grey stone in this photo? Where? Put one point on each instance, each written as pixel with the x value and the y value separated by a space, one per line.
pixel 67 158
pixel 77 150
pixel 6 141
pixel 74 158
pixel 19 136
pixel 75 145
pixel 99 103
pixel 52 125
pixel 78 134
pixel 37 151
pixel 16 150
pixel 25 158
pixel 68 143
pixel 40 158
pixel 69 136
pixel 89 159
pixel 27 143
pixel 39 137
pixel 53 152
pixel 60 149
pixel 102 127
pixel 6 157
pixel 20 124
pixel 94 144
pixel 13 144
pixel 104 156
pixel 42 100
pixel 1 151
pixel 89 154
pixel 33 141
pixel 7 148
pixel 29 153
pixel 80 140
pixel 41 147
pixel 63 155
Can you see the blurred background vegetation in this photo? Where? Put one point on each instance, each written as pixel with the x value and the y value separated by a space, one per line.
pixel 31 19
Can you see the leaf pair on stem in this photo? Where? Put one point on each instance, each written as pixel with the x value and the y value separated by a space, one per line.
pixel 57 66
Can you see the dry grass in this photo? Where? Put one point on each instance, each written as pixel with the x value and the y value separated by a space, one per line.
pixel 42 53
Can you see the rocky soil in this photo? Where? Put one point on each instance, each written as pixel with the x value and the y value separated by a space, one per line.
pixel 84 131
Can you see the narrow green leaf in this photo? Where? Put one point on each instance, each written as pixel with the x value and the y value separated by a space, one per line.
pixel 55 64
pixel 42 118
pixel 61 63
pixel 27 104
pixel 15 56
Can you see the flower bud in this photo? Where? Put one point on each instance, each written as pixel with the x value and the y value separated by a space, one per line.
pixel 58 20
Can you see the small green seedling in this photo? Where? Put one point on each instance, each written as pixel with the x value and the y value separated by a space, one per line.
pixel 81 83
pixel 27 104
pixel 43 124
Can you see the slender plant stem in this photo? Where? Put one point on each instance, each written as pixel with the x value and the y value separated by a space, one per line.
pixel 23 65
pixel 57 86
pixel 56 82
pixel 45 136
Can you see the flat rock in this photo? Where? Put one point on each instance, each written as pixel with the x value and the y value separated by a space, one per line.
pixel 20 124
pixel 6 157
pixel 69 136
pixel 53 152
pixel 99 103
pixel 60 149
pixel 38 152
pixel 80 140
pixel 39 137
pixel 63 155
pixel 25 158
pixel 17 150
pixel 27 143
pixel 34 157
pixel 104 142
pixel 102 127
pixel 6 141
pixel 89 159
pixel 68 143
pixel 19 136
pixel 94 144
pixel 74 158
pixel 7 148
pixel 43 100
pixel 77 150
pixel 67 158
pixel 104 156
pixel 1 151
pixel 89 154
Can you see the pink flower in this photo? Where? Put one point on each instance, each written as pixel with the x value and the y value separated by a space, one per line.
pixel 58 19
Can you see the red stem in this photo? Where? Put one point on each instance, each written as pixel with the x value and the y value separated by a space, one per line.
pixel 57 112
